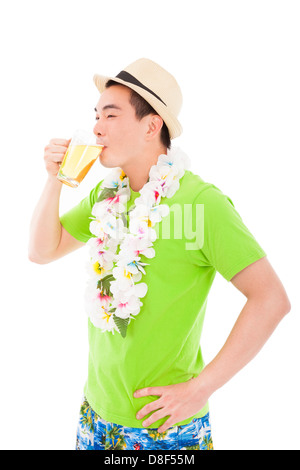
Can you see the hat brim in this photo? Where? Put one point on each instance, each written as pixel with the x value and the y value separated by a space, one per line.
pixel 172 123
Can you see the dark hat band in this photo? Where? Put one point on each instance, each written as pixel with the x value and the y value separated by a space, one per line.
pixel 127 77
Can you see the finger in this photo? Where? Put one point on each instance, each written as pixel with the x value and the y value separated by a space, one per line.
pixel 59 148
pixel 155 417
pixel 56 148
pixel 60 141
pixel 154 405
pixel 144 392
pixel 54 157
pixel 167 424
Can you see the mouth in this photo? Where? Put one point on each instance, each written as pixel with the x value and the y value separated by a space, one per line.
pixel 103 148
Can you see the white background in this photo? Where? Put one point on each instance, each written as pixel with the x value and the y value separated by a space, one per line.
pixel 237 63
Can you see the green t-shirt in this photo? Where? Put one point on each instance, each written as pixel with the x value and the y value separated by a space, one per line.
pixel 162 345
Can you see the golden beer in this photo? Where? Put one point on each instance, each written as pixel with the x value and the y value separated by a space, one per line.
pixel 77 161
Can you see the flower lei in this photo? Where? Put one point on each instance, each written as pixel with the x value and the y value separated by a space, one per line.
pixel 113 292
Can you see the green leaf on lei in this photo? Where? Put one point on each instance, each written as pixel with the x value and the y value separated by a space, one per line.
pixel 125 222
pixel 131 208
pixel 122 324
pixel 104 285
pixel 107 192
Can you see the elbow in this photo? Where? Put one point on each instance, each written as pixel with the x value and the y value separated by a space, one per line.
pixel 276 304
pixel 287 306
pixel 283 305
pixel 35 258
pixel 284 302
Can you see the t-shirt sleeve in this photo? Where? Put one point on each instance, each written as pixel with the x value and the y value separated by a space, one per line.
pixel 226 242
pixel 77 220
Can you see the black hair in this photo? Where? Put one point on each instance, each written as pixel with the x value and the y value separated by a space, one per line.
pixel 142 109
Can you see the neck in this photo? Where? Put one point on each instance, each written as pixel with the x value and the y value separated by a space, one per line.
pixel 138 171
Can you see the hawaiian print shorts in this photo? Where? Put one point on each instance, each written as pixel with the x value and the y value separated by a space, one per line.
pixel 94 433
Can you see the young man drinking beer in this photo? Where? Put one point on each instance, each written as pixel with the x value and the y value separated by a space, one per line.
pixel 147 385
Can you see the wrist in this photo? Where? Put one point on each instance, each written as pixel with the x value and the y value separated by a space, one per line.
pixel 53 181
pixel 206 382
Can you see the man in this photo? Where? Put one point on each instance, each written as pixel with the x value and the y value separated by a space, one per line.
pixel 147 384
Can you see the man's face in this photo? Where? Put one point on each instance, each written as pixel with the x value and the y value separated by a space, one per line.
pixel 118 129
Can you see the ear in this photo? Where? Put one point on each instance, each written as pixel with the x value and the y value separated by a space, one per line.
pixel 155 124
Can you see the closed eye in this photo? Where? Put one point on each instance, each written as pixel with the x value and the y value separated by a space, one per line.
pixel 109 116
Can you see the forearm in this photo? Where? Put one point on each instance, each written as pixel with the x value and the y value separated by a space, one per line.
pixel 254 326
pixel 45 227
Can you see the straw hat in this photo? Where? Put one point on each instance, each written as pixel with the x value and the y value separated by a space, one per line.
pixel 157 86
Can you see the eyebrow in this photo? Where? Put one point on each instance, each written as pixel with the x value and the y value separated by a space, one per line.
pixel 108 106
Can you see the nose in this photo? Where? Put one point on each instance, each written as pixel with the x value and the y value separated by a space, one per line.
pixel 98 129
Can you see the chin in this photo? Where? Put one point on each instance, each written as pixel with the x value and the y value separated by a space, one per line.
pixel 108 161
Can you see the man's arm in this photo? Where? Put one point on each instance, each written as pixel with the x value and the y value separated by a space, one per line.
pixel 267 303
pixel 48 239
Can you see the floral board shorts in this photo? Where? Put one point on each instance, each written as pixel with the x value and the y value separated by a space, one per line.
pixel 94 433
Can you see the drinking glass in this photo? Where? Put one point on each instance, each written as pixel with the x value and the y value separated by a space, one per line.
pixel 79 158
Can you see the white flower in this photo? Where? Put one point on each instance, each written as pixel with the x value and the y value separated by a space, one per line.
pixel 151 194
pixel 97 229
pixel 180 159
pixel 173 188
pixel 96 271
pixel 128 302
pixel 123 278
pixel 97 244
pixel 95 299
pixel 135 266
pixel 134 246
pixel 97 307
pixel 103 319
pixel 115 205
pixel 105 259
pixel 129 259
pixel 140 222
pixel 116 178
pixel 166 175
pixel 143 219
pixel 140 289
pixel 126 306
pixel 158 212
pixel 108 225
pixel 103 251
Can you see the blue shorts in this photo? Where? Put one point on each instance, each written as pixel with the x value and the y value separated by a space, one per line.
pixel 94 433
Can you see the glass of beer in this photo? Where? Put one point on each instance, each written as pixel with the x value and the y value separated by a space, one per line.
pixel 79 158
